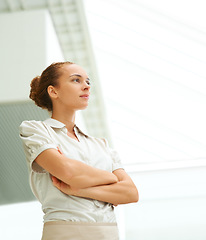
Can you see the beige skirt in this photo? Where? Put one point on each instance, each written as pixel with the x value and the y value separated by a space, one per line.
pixel 63 230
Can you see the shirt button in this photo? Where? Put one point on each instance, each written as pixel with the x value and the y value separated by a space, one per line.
pixel 31 150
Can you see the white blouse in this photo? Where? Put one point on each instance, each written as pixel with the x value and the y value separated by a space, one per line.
pixel 38 136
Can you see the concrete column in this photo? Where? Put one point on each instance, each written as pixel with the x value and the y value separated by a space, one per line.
pixel 28 44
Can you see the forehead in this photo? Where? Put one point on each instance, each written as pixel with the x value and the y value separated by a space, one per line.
pixel 70 69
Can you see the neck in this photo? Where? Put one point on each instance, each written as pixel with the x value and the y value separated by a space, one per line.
pixel 68 118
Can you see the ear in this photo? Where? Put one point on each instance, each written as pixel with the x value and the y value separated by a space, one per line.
pixel 52 92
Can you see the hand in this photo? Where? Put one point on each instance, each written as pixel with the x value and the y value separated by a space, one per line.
pixel 63 187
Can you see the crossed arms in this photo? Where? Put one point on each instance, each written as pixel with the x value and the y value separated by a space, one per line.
pixel 78 179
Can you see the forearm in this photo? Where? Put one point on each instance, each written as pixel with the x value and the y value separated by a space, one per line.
pixel 73 172
pixel 84 176
pixel 122 192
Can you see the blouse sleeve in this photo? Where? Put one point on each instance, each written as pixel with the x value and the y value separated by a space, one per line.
pixel 116 161
pixel 36 139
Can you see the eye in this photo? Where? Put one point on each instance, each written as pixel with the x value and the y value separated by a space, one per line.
pixel 88 82
pixel 76 80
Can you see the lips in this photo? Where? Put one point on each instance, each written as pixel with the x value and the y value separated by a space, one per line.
pixel 85 96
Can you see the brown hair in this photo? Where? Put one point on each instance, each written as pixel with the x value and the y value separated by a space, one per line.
pixel 39 85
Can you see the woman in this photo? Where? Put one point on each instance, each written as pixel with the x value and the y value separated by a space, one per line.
pixel 77 178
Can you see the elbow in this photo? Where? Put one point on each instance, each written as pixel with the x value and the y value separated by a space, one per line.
pixel 134 195
pixel 130 196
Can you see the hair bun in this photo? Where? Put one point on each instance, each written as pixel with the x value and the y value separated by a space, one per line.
pixel 34 88
pixel 39 85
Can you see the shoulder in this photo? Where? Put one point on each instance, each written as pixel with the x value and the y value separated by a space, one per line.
pixel 31 125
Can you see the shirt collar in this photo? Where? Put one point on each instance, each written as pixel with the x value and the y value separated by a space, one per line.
pixel 54 123
pixel 57 124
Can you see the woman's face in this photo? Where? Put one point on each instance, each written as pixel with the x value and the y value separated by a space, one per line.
pixel 73 88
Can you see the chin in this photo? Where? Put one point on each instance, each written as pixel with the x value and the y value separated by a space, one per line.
pixel 83 107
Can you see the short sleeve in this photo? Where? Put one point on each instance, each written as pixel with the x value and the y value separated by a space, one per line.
pixel 116 161
pixel 36 139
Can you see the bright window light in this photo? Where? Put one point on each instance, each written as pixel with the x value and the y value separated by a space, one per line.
pixel 151 62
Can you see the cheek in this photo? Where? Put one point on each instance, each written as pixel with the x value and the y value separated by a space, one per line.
pixel 65 92
pixel 68 96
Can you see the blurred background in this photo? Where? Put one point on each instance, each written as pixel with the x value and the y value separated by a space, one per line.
pixel 146 60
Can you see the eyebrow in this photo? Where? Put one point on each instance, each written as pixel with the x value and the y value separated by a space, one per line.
pixel 78 75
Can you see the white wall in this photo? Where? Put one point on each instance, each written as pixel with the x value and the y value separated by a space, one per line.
pixel 28 44
pixel 172 205
pixel 21 221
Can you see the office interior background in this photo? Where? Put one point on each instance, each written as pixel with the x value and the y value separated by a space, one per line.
pixel 146 60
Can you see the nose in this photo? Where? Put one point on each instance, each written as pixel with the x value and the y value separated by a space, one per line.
pixel 86 85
